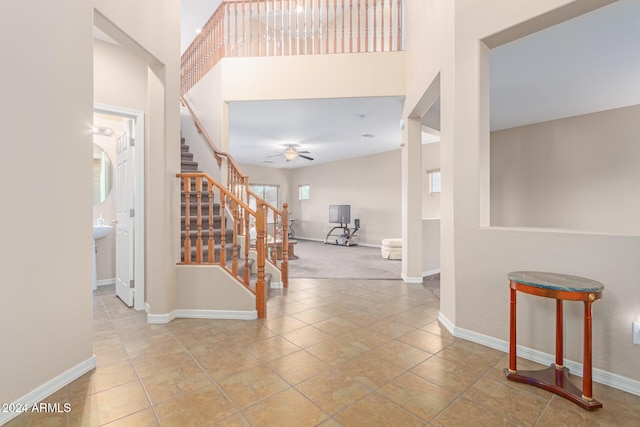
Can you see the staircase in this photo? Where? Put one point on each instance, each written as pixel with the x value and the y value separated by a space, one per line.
pixel 188 165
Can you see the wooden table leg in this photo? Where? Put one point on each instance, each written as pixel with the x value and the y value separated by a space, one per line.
pixel 559 336
pixel 587 367
pixel 512 333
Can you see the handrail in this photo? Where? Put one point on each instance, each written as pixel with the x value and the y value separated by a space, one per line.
pixel 238 206
pixel 245 28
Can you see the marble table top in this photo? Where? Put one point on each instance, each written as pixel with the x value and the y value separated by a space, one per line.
pixel 556 281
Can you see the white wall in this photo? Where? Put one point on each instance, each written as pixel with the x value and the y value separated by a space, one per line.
pixel 576 173
pixel 430 161
pixel 370 184
pixel 483 256
pixel 45 167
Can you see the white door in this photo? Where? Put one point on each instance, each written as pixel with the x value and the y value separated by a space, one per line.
pixel 124 219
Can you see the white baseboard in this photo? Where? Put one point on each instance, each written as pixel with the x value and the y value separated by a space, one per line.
pixel 408 279
pixel 598 375
pixel 202 314
pixel 322 241
pixel 276 285
pixel 430 272
pixel 46 389
pixel 106 282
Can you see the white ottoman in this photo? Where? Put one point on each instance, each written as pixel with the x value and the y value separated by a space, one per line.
pixel 391 248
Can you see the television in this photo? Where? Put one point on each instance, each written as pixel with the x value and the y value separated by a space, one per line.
pixel 340 214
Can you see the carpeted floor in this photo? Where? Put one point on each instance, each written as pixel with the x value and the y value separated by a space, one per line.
pixel 319 261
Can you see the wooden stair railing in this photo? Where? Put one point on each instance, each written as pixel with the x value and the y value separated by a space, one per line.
pixel 193 187
pixel 238 185
pixel 244 28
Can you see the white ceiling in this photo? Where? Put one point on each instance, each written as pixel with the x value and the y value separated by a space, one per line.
pixel 590 63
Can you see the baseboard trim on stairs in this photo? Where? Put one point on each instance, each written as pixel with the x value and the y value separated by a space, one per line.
pixel 430 272
pixel 40 393
pixel 599 375
pixel 408 279
pixel 276 285
pixel 202 314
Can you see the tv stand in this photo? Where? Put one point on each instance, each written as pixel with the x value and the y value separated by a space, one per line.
pixel 345 238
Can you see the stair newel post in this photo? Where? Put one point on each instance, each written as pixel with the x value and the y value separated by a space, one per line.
pixel 223 228
pixel 261 225
pixel 234 259
pixel 247 243
pixel 186 258
pixel 199 219
pixel 284 267
pixel 210 247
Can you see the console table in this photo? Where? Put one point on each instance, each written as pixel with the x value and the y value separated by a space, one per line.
pixel 561 287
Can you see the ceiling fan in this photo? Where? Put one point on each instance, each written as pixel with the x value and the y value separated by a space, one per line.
pixel 291 153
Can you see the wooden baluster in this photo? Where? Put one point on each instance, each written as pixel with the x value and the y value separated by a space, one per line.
pixel 222 259
pixel 260 249
pixel 247 244
pixel 350 26
pixel 304 2
pixel 342 51
pixel 366 25
pixel 234 252
pixel 226 40
pixel 282 27
pixel 210 243
pixel 251 26
pixel 390 26
pixel 375 25
pixel 274 252
pixel 199 220
pixel 399 30
pixel 289 32
pixel 186 258
pixel 335 26
pixel 284 266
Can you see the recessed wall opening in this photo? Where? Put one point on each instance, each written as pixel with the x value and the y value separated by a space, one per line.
pixel 565 104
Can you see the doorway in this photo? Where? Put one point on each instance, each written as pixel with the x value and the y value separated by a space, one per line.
pixel 128 210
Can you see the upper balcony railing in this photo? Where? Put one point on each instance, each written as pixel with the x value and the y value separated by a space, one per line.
pixel 241 28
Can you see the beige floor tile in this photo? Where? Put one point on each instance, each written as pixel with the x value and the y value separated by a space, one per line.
pixel 312 316
pixel 109 405
pixel 109 351
pixel 39 419
pixel 250 386
pixel 307 336
pixel 334 351
pixel 272 348
pixel 417 318
pixel 426 341
pixel 370 370
pixel 298 367
pixel 365 339
pixel 335 326
pixel 452 376
pixel 400 354
pixel 144 418
pixel 417 395
pixel 169 383
pixel 390 329
pixel 286 408
pixel 198 408
pixel 227 363
pixel 468 353
pixel 501 398
pixel 236 420
pixel 463 412
pixel 284 324
pixel 559 414
pixel 102 378
pixel 437 329
pixel 375 410
pixel 151 363
pixel 333 390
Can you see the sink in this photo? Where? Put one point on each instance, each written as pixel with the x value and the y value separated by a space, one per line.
pixel 99 231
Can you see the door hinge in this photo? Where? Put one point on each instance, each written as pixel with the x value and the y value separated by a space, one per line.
pixel 132 283
pixel 132 213
pixel 132 142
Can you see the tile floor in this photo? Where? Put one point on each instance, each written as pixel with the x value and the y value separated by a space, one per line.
pixel 330 353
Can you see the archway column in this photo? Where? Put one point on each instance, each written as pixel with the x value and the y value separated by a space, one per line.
pixel 412 201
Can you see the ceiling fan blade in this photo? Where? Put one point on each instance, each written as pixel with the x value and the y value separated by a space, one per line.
pixel 307 152
pixel 275 155
pixel 305 157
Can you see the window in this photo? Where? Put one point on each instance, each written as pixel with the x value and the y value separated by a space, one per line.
pixel 267 192
pixel 434 181
pixel 303 192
